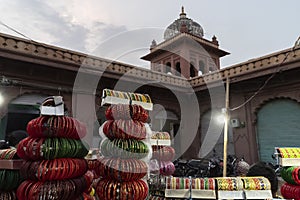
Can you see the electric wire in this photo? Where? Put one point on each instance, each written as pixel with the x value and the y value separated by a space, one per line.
pixel 269 78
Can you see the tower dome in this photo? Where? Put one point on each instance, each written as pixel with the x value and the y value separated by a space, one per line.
pixel 191 26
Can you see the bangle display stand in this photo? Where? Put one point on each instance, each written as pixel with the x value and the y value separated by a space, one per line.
pixel 125 147
pixel 53 155
pixel 218 188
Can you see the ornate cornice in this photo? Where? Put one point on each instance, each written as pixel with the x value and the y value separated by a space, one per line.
pixel 12 47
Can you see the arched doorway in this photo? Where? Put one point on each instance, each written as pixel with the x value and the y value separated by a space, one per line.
pixel 278 125
pixel 20 111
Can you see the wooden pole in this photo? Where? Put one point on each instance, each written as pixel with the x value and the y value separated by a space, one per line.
pixel 226 128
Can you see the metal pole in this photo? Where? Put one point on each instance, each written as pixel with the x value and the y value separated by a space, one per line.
pixel 226 128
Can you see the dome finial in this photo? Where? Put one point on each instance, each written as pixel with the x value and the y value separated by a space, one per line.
pixel 182 14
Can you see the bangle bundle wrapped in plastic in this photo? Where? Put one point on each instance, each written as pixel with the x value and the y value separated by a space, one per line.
pixel 289 191
pixel 124 148
pixel 111 189
pixel 203 184
pixel 167 168
pixel 291 175
pixel 256 183
pixel 124 129
pixel 121 169
pixel 50 148
pixel 161 135
pixel 11 195
pixel 9 179
pixel 163 153
pixel 126 112
pixel 8 154
pixel 177 183
pixel 56 126
pixel 229 183
pixel 56 169
pixel 69 189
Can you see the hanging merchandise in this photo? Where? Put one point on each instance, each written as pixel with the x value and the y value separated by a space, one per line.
pixel 91 176
pixel 162 156
pixel 54 166
pixel 125 147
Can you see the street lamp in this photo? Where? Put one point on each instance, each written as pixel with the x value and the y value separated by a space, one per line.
pixel 226 111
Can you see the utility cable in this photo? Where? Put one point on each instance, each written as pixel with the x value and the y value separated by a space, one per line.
pixel 297 43
pixel 14 30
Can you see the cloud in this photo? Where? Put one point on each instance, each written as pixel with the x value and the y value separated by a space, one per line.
pixel 83 25
pixel 56 25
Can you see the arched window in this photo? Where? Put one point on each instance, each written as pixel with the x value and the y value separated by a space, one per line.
pixel 201 67
pixel 178 69
pixel 168 67
pixel 192 70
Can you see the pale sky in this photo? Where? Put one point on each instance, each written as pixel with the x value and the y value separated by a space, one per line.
pixel 123 30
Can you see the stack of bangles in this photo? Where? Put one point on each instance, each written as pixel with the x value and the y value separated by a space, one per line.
pixel 256 183
pixel 56 126
pixel 289 191
pixel 124 148
pixel 176 183
pixel 161 136
pixel 127 95
pixel 56 169
pixel 289 152
pixel 167 168
pixel 229 183
pixel 92 164
pixel 124 129
pixel 111 189
pixel 163 153
pixel 156 198
pixel 203 184
pixel 291 175
pixel 139 97
pixel 8 154
pixel 9 179
pixel 60 190
pixel 121 169
pixel 126 112
pixel 50 148
pixel 11 195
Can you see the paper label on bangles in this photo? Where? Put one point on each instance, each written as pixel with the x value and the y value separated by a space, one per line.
pixel 160 142
pixel 258 194
pixel 57 111
pixel 204 194
pixel 231 194
pixel 114 100
pixel 285 162
pixel 178 193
